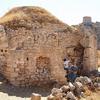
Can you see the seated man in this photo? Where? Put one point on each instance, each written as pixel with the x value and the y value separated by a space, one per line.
pixel 72 76
pixel 68 69
pixel 72 72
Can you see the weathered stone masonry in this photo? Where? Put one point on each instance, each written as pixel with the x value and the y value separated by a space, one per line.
pixel 33 46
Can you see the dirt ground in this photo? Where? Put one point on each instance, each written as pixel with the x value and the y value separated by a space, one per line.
pixel 9 92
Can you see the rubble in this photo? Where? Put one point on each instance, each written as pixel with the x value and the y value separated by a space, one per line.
pixel 80 89
pixel 83 80
pixel 87 80
pixel 71 96
pixel 65 88
pixel 72 87
pixel 87 91
pixel 55 91
pixel 50 97
pixel 78 85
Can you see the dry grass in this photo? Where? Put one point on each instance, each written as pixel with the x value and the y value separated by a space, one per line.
pixel 21 16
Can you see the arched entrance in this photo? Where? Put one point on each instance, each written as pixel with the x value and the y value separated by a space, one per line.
pixel 79 55
pixel 76 55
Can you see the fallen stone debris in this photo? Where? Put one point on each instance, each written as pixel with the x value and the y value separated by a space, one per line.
pixel 78 90
pixel 81 88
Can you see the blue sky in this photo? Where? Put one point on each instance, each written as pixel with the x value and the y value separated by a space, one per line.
pixel 68 11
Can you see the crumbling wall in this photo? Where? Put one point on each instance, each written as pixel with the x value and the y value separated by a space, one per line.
pixel 33 68
pixel 89 42
pixel 34 53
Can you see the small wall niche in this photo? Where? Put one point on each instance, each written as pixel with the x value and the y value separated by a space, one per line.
pixel 5 50
pixel 1 50
pixel 27 59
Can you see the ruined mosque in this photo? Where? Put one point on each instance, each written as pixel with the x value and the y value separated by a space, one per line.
pixel 33 44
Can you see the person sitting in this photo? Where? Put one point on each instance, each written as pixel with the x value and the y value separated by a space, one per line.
pixel 71 72
pixel 68 70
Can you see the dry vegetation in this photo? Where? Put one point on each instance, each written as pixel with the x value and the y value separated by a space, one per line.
pixel 26 16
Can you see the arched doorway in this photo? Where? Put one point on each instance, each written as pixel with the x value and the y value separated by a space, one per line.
pixel 79 55
pixel 76 55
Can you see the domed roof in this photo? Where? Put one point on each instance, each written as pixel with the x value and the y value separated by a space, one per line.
pixel 27 15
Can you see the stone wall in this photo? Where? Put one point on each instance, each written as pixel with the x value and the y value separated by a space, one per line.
pixel 87 20
pixel 89 42
pixel 33 51
pixel 29 67
pixel 97 32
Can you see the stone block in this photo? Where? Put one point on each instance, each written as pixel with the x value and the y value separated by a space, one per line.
pixel 51 97
pixel 35 96
pixel 55 91
pixel 72 87
pixel 65 88
pixel 71 96
pixel 78 85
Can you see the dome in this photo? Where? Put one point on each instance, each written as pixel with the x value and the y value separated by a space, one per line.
pixel 26 16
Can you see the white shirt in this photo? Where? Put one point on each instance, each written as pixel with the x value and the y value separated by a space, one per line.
pixel 66 63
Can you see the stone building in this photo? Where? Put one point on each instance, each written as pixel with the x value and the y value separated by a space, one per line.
pixel 95 28
pixel 87 20
pixel 33 44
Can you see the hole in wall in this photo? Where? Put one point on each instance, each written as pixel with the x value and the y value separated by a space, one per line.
pixel 1 50
pixel 5 50
pixel 27 59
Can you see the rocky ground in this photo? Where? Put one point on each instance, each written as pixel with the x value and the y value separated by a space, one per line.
pixel 9 92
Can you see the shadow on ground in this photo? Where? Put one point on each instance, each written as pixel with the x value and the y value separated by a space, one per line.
pixel 21 91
